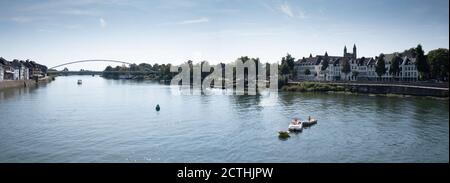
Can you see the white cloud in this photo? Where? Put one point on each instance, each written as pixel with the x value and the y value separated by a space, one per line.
pixel 78 12
pixel 286 9
pixel 194 21
pixel 102 22
pixel 46 30
pixel 186 22
pixel 21 19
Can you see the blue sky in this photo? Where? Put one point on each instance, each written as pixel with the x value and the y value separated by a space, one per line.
pixel 174 31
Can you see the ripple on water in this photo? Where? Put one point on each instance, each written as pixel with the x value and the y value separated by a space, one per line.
pixel 115 121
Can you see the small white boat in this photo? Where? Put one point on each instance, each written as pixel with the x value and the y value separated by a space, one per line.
pixel 79 82
pixel 297 126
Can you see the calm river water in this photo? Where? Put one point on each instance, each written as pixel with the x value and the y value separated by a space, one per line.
pixel 115 121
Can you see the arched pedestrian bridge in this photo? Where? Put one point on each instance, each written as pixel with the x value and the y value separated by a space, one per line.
pixel 52 71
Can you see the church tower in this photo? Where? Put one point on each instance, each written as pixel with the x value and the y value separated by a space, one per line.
pixel 354 51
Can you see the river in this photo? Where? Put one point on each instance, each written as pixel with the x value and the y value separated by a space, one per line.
pixel 115 121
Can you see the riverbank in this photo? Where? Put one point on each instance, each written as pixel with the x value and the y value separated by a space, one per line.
pixel 367 88
pixel 8 84
pixel 312 87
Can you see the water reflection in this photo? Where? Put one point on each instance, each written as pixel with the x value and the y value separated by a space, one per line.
pixel 247 102
pixel 115 121
pixel 8 93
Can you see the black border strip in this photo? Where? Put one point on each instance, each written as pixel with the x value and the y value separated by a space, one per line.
pixel 168 171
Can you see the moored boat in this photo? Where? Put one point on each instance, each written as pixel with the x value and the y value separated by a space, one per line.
pixel 309 122
pixel 296 125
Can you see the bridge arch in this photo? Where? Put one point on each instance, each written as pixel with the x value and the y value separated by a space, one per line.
pixel 94 60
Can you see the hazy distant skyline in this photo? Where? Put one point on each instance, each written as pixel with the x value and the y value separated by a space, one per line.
pixel 174 31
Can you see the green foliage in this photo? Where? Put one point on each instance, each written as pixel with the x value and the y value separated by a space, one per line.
pixel 421 63
pixel 313 87
pixel 287 65
pixel 394 68
pixel 284 69
pixel 346 66
pixel 380 68
pixel 438 61
pixel 108 68
pixel 141 71
pixel 325 62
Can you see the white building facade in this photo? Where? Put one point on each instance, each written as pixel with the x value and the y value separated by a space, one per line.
pixel 1 72
pixel 361 69
pixel 15 70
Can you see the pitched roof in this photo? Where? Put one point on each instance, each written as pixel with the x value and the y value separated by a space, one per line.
pixel 408 61
pixel 16 64
pixel 4 61
pixel 335 61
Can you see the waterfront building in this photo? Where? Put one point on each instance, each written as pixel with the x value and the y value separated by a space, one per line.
pixel 1 71
pixel 29 66
pixel 7 69
pixel 37 70
pixel 20 70
pixel 361 69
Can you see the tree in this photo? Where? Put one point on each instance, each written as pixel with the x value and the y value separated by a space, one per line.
pixel 394 69
pixel 156 67
pixel 284 68
pixel 380 68
pixel 325 62
pixel 244 59
pixel 287 65
pixel 409 53
pixel 421 63
pixel 145 67
pixel 134 67
pixel 438 61
pixel 123 68
pixel 290 61
pixel 346 66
